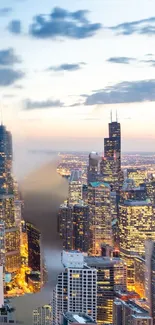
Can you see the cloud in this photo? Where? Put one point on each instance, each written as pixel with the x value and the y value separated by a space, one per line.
pixel 150 62
pixel 30 105
pixel 143 26
pixel 9 76
pixel 8 57
pixel 15 27
pixel 121 60
pixel 61 23
pixel 5 11
pixel 124 92
pixel 67 67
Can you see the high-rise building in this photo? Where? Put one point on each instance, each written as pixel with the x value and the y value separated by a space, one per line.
pixel 81 227
pixel 65 225
pixel 112 154
pixel 136 224
pixel 150 277
pixel 130 192
pixel 1 287
pixel 2 243
pixel 139 175
pixel 100 215
pixel 111 276
pixel 34 258
pixel 75 187
pixel 12 249
pixel 140 269
pixel 130 313
pixel 76 289
pixel 42 315
pixel 74 226
pixel 93 170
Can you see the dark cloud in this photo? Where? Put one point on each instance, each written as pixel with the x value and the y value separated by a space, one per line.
pixel 30 105
pixel 124 92
pixel 67 67
pixel 5 11
pixel 8 57
pixel 150 62
pixel 9 76
pixel 121 60
pixel 143 26
pixel 61 23
pixel 15 27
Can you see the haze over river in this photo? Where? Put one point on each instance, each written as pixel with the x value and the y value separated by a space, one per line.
pixel 43 191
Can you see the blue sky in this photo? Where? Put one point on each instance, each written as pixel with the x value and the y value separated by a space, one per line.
pixel 65 64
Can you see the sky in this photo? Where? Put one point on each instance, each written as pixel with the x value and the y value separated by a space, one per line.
pixel 64 65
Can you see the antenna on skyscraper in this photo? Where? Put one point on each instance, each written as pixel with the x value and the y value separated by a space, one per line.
pixel 1 115
pixel 116 116
pixel 111 115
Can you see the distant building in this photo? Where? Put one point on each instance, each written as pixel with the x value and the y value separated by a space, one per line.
pixel 93 169
pixel 42 315
pixel 75 187
pixel 76 289
pixel 139 175
pixel 69 318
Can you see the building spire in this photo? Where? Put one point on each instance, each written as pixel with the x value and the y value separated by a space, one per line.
pixel 111 116
pixel 116 116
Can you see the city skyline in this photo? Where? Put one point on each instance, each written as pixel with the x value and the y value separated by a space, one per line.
pixel 48 90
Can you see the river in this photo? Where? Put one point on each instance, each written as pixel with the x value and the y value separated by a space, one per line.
pixel 43 191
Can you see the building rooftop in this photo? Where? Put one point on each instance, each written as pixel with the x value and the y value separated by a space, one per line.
pixel 75 176
pixel 102 261
pixel 80 318
pixel 97 184
pixel 138 202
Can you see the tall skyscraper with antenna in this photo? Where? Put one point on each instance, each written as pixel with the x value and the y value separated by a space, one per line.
pixel 112 153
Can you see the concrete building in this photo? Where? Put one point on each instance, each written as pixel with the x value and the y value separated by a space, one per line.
pixel 75 187
pixel 76 289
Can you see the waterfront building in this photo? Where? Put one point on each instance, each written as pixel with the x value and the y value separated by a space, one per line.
pixel 76 289
pixel 42 315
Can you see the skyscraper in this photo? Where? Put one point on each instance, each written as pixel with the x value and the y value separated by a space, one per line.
pixel 111 276
pixel 136 224
pixel 81 227
pixel 34 259
pixel 75 187
pixel 150 277
pixel 100 215
pixel 112 154
pixel 76 289
pixel 93 169
pixel 65 225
